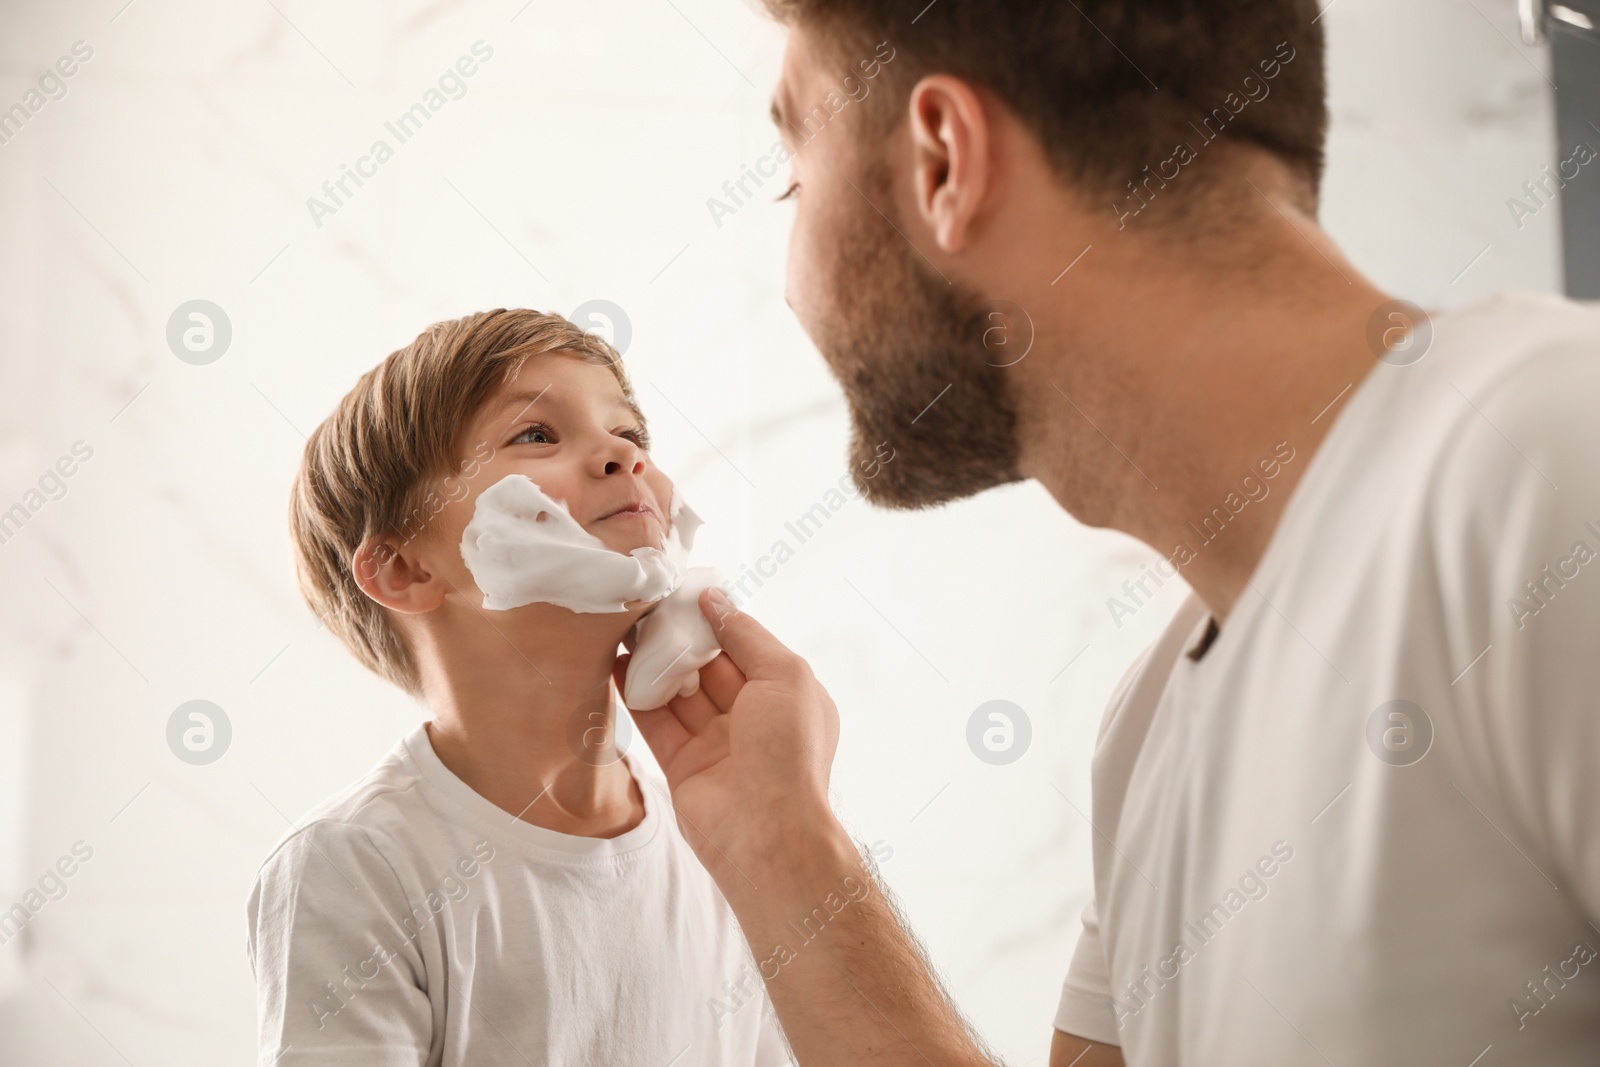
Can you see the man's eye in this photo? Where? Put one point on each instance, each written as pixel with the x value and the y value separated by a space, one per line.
pixel 528 436
pixel 794 187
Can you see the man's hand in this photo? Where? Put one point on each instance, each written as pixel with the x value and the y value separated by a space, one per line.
pixel 748 754
pixel 747 757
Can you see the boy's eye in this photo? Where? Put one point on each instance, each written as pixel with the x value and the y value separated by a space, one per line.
pixel 794 187
pixel 528 436
pixel 541 434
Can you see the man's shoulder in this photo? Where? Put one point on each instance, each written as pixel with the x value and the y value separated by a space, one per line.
pixel 1454 444
pixel 1526 353
pixel 1523 383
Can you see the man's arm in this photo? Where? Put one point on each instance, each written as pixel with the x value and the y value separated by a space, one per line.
pixel 850 982
pixel 748 757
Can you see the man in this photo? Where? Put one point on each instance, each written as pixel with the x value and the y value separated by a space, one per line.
pixel 1345 806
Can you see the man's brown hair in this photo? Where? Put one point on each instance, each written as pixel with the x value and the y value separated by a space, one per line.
pixel 391 453
pixel 1109 87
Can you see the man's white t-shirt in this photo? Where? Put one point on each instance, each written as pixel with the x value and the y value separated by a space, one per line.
pixel 1363 827
pixel 410 921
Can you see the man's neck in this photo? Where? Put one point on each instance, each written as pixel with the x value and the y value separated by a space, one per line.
pixel 1181 402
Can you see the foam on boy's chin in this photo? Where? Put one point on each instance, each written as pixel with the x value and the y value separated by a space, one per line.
pixel 523 547
pixel 671 644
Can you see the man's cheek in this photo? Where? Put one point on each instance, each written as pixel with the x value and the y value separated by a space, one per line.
pixel 796 272
pixel 807 286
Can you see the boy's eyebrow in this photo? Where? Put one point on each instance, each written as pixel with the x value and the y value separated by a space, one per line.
pixel 527 400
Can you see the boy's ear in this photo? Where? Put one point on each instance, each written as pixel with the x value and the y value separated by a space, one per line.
pixel 396 578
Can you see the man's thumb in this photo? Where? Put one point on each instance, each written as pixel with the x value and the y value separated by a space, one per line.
pixel 739 635
pixel 718 610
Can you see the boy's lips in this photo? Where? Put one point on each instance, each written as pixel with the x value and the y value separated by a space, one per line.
pixel 633 509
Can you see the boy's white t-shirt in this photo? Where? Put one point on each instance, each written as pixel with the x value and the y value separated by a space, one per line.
pixel 1291 867
pixel 410 921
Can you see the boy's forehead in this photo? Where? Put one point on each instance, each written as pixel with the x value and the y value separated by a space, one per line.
pixel 555 379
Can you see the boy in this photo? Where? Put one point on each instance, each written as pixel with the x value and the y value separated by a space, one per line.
pixel 507 885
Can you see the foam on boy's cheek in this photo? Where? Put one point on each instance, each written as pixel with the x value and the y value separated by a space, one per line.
pixel 524 547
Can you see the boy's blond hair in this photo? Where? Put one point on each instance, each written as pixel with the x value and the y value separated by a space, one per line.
pixel 389 456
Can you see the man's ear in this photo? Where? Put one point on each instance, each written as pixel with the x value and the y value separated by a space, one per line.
pixel 950 139
pixel 396 577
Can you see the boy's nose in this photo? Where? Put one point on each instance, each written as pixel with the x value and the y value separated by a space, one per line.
pixel 621 454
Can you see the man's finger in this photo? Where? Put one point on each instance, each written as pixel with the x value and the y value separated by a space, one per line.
pixel 664 734
pixel 721 681
pixel 750 646
pixel 695 710
pixel 662 730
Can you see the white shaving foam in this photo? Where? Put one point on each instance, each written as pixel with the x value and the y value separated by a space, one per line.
pixel 671 644
pixel 524 547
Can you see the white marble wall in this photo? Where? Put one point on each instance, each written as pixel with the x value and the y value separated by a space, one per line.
pixel 576 166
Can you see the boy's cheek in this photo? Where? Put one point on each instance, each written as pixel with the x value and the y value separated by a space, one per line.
pixel 441 545
pixel 663 489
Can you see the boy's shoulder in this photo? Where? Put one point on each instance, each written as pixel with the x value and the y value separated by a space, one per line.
pixel 353 820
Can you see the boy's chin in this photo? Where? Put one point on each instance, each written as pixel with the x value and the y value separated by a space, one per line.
pixel 639 609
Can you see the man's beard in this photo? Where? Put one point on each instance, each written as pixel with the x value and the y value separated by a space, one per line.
pixel 931 416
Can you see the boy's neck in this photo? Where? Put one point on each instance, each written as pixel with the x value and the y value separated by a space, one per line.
pixel 523 714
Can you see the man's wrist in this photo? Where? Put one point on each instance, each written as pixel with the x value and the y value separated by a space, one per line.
pixel 805 854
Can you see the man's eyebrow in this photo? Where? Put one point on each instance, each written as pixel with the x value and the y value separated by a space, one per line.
pixel 779 119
